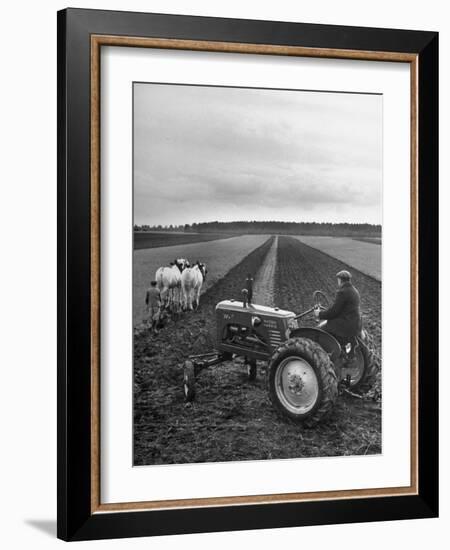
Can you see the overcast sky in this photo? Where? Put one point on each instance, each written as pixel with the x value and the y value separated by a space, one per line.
pixel 210 153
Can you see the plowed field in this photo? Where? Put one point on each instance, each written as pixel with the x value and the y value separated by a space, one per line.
pixel 302 269
pixel 232 418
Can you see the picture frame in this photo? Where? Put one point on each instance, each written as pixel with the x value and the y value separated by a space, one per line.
pixel 81 36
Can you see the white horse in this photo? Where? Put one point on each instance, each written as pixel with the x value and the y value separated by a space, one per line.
pixel 192 279
pixel 168 281
pixel 181 263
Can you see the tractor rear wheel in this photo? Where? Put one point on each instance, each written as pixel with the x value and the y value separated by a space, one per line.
pixel 371 365
pixel 301 381
pixel 189 381
pixel 354 370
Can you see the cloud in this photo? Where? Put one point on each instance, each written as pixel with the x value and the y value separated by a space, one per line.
pixel 201 151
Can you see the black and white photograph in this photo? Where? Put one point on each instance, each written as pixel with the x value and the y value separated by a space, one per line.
pixel 224 278
pixel 256 273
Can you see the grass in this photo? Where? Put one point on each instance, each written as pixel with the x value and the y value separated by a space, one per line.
pixel 156 239
pixel 360 255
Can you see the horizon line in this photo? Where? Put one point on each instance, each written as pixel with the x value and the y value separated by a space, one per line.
pixel 260 221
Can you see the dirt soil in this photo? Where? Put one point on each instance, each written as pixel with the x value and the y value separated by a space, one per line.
pixel 232 418
pixel 264 285
pixel 302 269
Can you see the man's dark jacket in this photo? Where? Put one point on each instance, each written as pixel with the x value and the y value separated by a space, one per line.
pixel 344 316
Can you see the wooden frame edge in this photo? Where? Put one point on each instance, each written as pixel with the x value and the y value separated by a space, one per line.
pixel 213 502
pixel 248 48
pixel 231 47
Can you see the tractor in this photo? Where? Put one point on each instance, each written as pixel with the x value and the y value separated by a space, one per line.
pixel 306 366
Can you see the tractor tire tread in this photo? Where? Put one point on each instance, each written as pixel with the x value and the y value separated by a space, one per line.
pixel 318 358
pixel 372 369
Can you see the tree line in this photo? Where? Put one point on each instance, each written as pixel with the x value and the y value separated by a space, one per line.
pixel 273 227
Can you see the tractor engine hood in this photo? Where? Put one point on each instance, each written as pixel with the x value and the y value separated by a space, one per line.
pixel 234 305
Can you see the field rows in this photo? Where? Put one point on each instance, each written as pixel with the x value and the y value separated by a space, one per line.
pixel 264 279
pixel 166 431
pixel 232 418
pixel 355 253
pixel 302 269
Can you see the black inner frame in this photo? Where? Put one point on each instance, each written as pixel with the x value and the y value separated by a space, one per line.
pixel 75 521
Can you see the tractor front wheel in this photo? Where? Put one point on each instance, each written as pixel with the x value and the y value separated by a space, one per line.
pixel 301 380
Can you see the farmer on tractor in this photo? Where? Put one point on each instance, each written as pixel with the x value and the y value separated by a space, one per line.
pixel 343 317
pixel 306 366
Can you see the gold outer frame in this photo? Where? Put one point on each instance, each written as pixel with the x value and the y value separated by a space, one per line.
pixel 97 41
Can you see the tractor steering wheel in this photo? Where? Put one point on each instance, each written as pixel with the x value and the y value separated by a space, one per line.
pixel 320 299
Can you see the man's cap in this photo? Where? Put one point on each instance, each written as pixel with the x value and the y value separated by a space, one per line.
pixel 344 275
